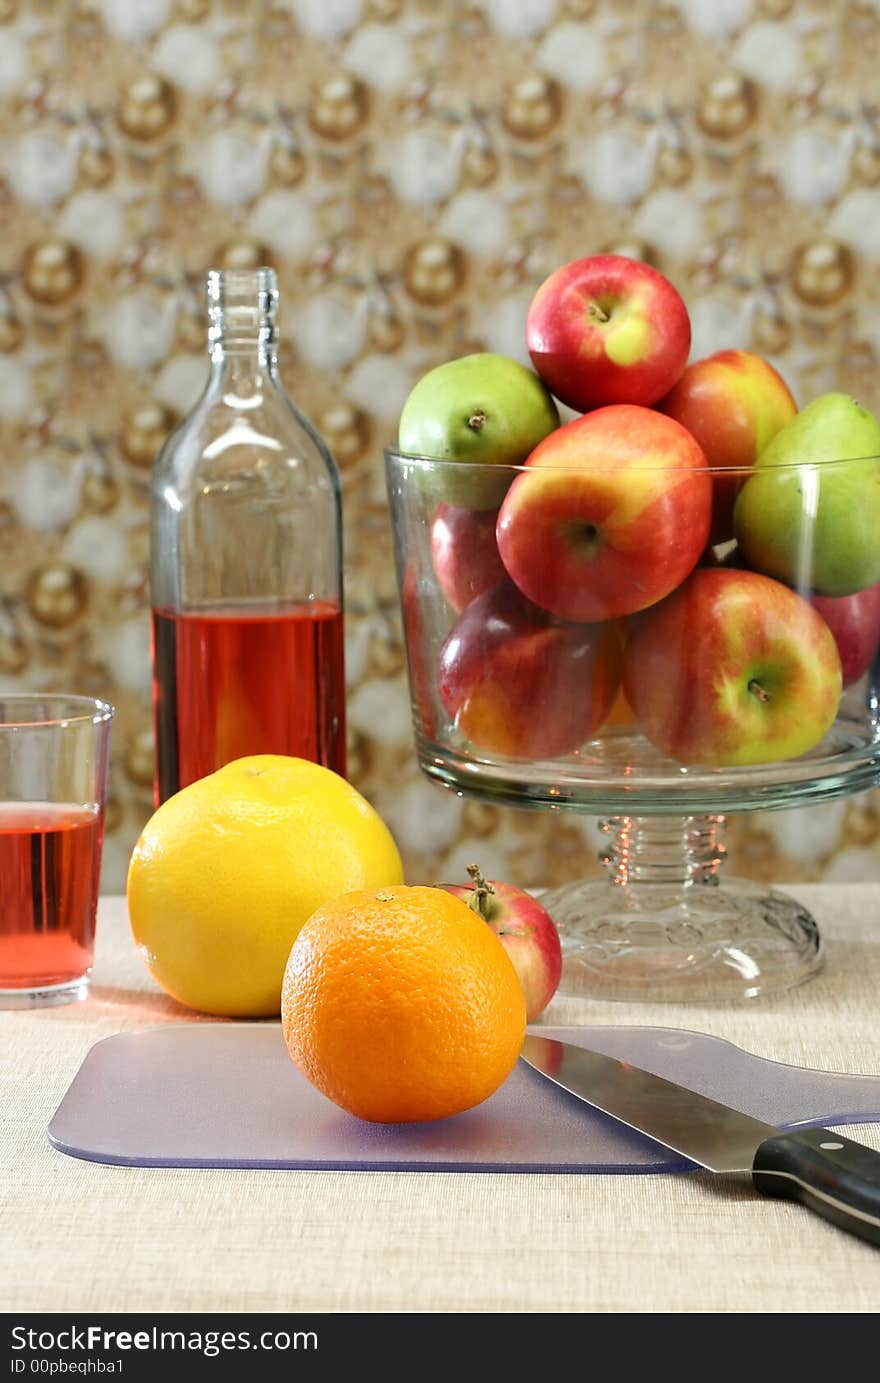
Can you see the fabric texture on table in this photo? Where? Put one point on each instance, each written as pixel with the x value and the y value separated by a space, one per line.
pixel 76 1236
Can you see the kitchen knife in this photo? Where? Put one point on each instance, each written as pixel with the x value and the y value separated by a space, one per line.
pixel 830 1174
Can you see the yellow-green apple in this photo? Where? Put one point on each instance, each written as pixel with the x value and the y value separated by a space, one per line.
pixel 854 620
pixel 527 933
pixel 608 329
pixel 810 514
pixel 610 514
pixel 483 409
pixel 464 553
pixel 733 668
pixel 518 683
pixel 733 403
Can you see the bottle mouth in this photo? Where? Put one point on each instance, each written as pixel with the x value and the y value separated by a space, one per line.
pixel 241 306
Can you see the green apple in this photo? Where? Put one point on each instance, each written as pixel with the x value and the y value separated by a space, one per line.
pixel 810 515
pixel 480 408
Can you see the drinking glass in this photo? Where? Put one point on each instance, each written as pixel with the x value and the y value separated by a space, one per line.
pixel 53 774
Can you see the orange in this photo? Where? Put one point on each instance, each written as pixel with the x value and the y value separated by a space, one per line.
pixel 226 872
pixel 401 1004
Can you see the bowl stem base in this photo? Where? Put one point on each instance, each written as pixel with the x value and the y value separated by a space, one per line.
pixel 662 926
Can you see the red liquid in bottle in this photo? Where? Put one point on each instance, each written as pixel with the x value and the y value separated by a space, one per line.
pixel 229 685
pixel 50 855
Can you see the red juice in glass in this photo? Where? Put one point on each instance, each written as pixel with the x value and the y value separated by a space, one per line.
pixel 50 854
pixel 54 751
pixel 230 683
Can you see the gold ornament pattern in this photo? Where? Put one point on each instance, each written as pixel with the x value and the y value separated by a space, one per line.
pixel 412 169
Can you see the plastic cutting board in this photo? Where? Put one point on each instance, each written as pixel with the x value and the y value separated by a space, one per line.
pixel 228 1095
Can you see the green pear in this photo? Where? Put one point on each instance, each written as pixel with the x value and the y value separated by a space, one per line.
pixel 810 514
pixel 483 408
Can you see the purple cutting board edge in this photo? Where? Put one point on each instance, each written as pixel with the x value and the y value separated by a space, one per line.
pixel 226 1095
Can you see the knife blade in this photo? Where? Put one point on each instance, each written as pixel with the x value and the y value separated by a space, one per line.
pixel 832 1175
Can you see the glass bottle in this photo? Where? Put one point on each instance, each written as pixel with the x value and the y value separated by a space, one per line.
pixel 246 561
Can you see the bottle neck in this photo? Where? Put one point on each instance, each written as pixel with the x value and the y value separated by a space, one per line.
pixel 244 368
pixel 242 334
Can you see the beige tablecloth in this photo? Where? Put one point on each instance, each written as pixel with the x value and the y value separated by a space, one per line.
pixel 75 1236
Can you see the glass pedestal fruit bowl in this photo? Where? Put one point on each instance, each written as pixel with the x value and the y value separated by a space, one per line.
pixel 577 641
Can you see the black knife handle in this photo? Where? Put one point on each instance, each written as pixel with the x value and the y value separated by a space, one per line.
pixel 830 1174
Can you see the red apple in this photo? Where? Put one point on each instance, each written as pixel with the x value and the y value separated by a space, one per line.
pixel 464 553
pixel 734 668
pixel 733 403
pixel 523 685
pixel 527 931
pixel 608 329
pixel 854 620
pixel 610 515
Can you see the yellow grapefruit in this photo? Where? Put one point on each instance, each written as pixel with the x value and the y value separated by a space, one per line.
pixel 227 871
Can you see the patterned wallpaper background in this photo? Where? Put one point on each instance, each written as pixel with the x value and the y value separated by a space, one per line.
pixel 412 170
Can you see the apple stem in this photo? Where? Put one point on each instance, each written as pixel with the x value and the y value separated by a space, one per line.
pixel 477 421
pixel 479 893
pixel 597 313
pixel 757 690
